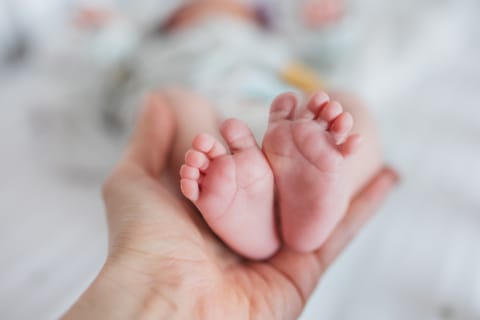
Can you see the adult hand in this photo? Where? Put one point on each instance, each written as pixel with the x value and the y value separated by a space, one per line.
pixel 164 263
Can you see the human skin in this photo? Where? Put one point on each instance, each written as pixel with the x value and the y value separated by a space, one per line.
pixel 233 191
pixel 313 155
pixel 164 263
pixel 306 153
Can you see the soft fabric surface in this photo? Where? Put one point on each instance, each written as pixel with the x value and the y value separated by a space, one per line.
pixel 418 259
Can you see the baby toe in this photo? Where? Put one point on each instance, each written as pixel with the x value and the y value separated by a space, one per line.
pixel 341 127
pixel 329 113
pixel 209 145
pixel 315 105
pixel 237 135
pixel 191 173
pixel 197 159
pixel 283 107
pixel 190 189
pixel 351 145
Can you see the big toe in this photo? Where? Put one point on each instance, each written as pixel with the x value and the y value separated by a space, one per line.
pixel 209 145
pixel 237 135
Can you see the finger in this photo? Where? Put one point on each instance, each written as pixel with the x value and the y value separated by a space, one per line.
pixel 151 139
pixel 362 208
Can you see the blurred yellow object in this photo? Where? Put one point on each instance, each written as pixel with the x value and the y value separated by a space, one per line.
pixel 302 77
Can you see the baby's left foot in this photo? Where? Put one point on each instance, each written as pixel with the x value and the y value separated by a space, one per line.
pixel 306 153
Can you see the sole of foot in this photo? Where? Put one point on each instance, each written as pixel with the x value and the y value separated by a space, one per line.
pixel 233 191
pixel 306 151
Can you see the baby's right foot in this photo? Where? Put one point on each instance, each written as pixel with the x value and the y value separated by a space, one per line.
pixel 306 153
pixel 234 192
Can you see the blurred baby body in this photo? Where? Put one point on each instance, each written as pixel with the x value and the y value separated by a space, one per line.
pixel 114 54
pixel 223 50
pixel 232 63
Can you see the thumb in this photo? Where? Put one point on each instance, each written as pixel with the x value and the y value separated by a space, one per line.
pixel 151 140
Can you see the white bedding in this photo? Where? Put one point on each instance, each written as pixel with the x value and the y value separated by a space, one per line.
pixel 419 258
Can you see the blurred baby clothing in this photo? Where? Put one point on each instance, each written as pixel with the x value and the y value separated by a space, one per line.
pixel 236 65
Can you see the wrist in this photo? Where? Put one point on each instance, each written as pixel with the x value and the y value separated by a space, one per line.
pixel 121 291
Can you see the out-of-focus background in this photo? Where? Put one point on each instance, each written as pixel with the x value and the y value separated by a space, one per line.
pixel 415 62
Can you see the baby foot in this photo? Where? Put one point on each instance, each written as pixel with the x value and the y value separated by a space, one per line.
pixel 306 153
pixel 234 192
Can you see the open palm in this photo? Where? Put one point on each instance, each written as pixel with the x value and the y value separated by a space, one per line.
pixel 161 242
